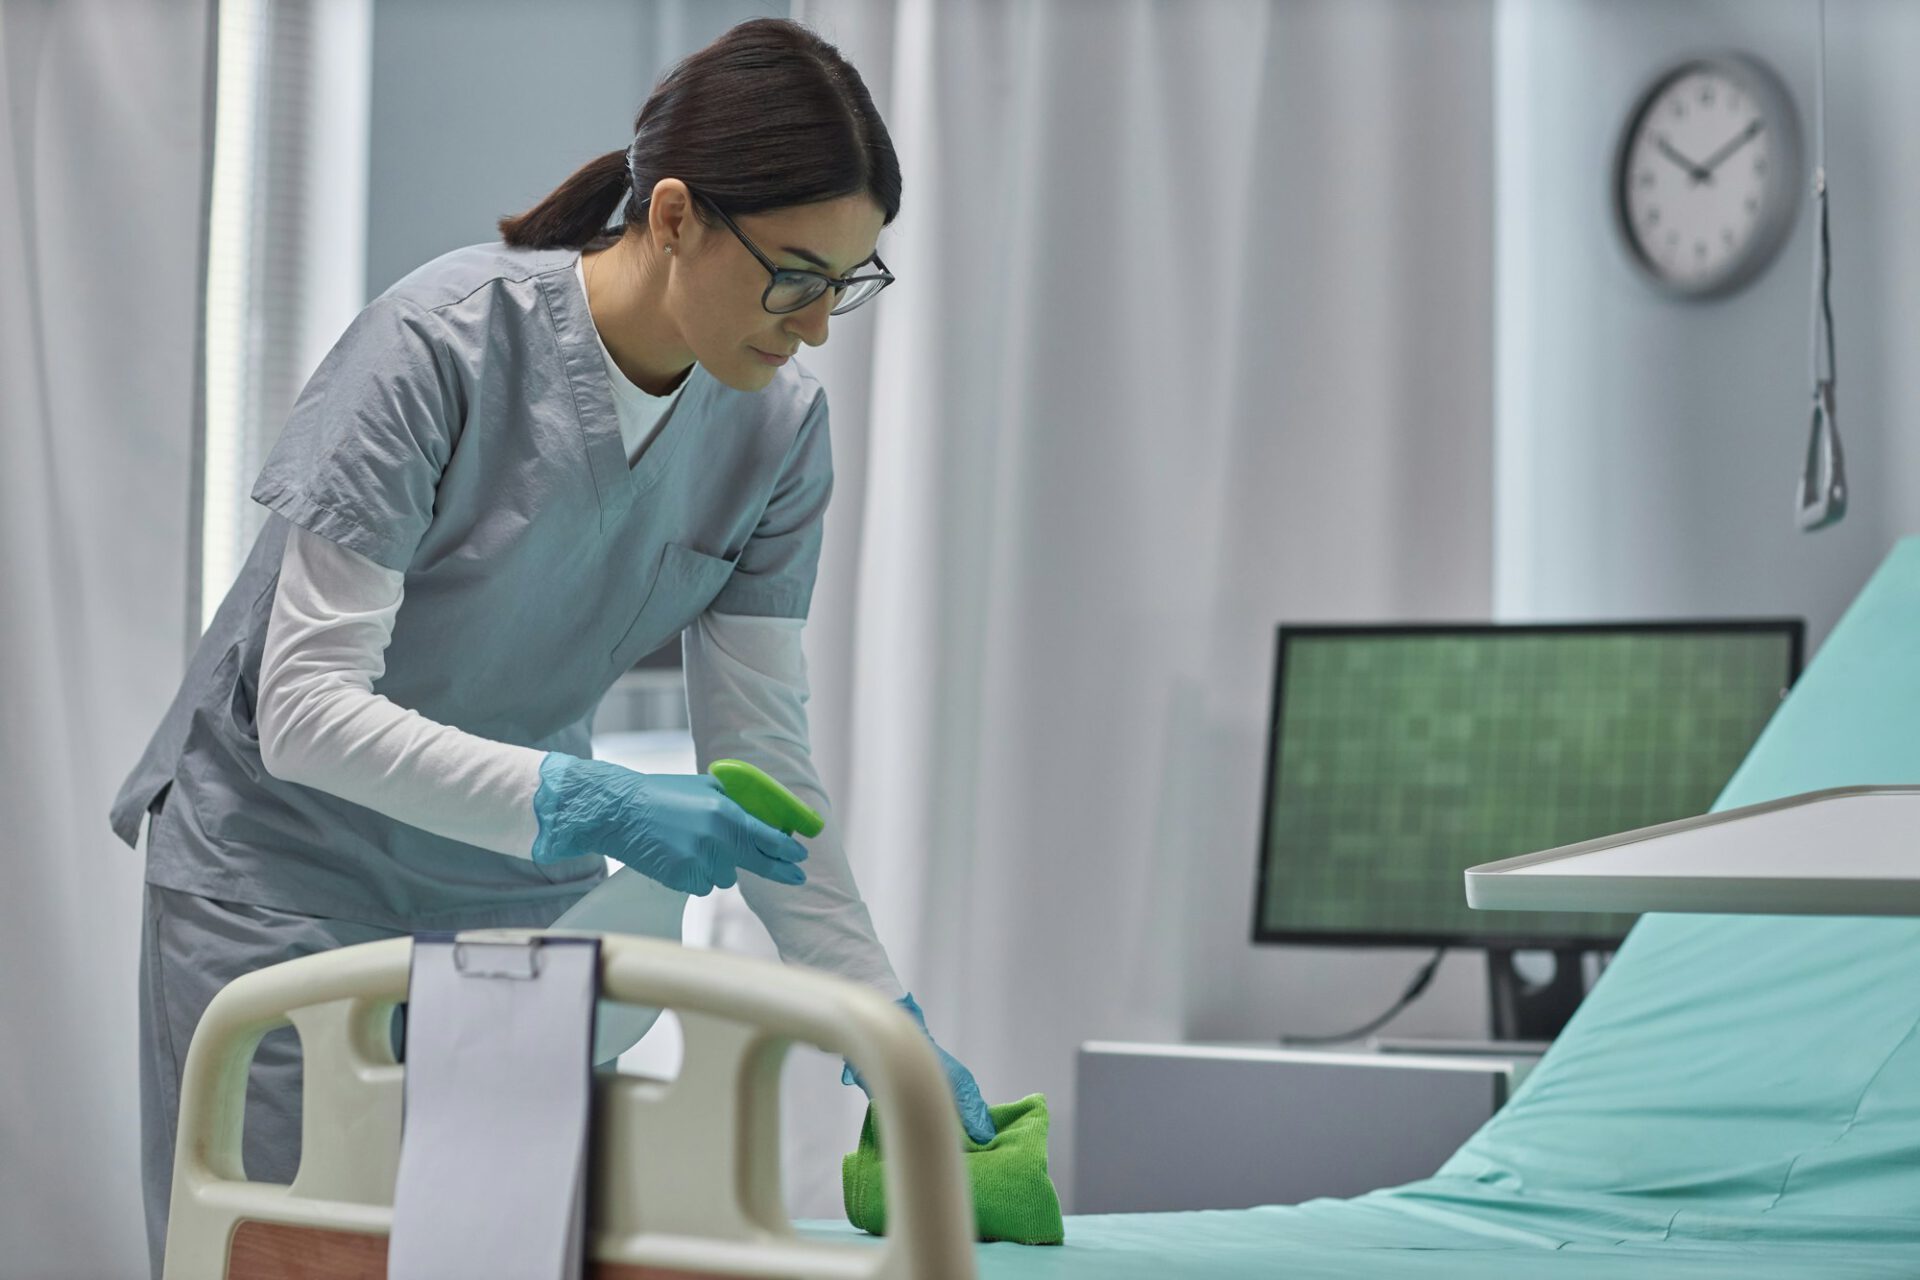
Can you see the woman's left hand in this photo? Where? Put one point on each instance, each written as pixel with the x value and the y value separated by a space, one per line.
pixel 974 1116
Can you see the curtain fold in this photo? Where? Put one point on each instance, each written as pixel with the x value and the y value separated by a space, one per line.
pixel 1192 336
pixel 103 120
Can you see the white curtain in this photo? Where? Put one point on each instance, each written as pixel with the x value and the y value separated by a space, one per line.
pixel 1192 336
pixel 103 114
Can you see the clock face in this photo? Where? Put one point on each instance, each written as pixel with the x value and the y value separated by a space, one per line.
pixel 1707 177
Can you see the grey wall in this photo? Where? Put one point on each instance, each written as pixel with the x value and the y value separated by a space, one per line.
pixel 1649 449
pixel 481 107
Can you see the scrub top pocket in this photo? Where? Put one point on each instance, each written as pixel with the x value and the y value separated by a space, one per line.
pixel 686 584
pixel 241 700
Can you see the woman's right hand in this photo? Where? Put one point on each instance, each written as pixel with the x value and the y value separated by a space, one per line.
pixel 680 829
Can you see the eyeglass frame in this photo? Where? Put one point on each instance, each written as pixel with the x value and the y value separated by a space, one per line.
pixel 837 283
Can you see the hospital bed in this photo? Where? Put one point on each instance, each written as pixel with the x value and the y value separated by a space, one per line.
pixel 1739 1096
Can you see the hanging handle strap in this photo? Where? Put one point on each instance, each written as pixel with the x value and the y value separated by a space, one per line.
pixel 1823 476
pixel 1823 479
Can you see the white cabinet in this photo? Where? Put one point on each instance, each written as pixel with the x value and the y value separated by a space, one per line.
pixel 1166 1127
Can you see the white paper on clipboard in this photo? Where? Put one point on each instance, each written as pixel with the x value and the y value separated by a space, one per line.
pixel 498 1095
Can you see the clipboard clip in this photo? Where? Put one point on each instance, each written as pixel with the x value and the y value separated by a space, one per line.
pixel 519 960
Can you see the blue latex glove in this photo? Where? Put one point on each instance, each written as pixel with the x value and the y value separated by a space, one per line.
pixel 974 1116
pixel 681 829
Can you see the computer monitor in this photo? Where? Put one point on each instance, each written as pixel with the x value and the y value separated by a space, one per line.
pixel 1398 756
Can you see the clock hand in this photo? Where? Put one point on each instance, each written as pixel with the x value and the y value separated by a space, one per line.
pixel 1694 171
pixel 1745 136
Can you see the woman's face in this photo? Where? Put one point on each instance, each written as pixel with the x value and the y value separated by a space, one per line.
pixel 714 283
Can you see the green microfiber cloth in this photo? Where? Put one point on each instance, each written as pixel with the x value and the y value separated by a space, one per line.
pixel 1013 1198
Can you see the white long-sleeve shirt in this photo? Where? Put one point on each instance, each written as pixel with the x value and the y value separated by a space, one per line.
pixel 322 725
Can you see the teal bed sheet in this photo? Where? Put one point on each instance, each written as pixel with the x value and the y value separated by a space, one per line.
pixel 1739 1096
pixel 1355 1240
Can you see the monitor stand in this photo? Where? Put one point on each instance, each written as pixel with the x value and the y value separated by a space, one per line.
pixel 1525 1015
pixel 1524 1009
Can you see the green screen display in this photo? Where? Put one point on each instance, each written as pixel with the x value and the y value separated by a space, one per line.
pixel 1401 758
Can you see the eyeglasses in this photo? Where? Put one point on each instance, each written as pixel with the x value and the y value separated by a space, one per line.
pixel 792 290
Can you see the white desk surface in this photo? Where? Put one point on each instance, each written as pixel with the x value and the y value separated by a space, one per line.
pixel 1848 851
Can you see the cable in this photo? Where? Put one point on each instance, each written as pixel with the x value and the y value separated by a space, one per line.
pixel 1407 997
pixel 1820 105
pixel 1822 336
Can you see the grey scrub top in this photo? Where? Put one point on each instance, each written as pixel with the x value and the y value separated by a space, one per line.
pixel 463 432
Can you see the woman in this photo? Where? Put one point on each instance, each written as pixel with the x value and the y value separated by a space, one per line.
pixel 523 467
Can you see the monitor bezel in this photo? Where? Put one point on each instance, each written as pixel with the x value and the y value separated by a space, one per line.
pixel 1794 628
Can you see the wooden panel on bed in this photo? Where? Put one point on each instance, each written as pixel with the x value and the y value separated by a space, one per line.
pixel 279 1251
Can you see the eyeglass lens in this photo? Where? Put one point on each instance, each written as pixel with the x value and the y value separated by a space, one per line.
pixel 792 291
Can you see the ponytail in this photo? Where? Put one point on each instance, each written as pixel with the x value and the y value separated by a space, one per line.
pixel 576 212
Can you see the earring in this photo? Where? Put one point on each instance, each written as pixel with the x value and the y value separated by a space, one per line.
pixel 669 248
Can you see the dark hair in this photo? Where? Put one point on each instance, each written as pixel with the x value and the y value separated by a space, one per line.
pixel 766 117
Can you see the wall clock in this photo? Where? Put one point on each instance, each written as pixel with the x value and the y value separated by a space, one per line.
pixel 1707 176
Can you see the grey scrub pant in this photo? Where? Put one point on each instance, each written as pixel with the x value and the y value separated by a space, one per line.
pixel 190 947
